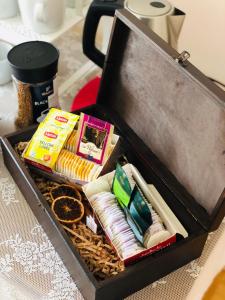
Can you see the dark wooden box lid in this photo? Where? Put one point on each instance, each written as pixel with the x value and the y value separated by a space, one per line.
pixel 174 109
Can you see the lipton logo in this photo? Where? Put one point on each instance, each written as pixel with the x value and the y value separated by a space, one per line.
pixel 61 119
pixel 50 135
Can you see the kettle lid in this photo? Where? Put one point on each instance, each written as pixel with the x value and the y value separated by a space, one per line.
pixel 152 8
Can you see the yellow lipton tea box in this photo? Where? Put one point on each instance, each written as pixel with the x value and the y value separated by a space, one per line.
pixel 49 139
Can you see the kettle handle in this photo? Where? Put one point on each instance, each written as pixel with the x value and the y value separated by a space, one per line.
pixel 97 9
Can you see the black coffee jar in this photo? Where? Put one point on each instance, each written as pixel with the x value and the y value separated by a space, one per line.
pixel 34 65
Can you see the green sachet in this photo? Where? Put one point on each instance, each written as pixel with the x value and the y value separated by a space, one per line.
pixel 121 187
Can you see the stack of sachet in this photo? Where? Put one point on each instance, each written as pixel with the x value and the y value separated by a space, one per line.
pixel 73 166
pixel 115 224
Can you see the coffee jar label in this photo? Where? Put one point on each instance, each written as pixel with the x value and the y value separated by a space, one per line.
pixel 44 96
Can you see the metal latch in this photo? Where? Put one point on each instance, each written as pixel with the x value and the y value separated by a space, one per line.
pixel 183 57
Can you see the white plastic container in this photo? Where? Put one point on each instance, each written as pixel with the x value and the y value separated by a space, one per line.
pixel 8 8
pixel 5 70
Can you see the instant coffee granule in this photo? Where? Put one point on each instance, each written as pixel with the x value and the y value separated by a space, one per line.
pixel 25 109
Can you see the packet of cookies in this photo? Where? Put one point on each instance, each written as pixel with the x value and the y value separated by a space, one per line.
pixel 94 138
pixel 49 139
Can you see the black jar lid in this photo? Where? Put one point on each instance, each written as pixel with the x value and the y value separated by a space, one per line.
pixel 34 62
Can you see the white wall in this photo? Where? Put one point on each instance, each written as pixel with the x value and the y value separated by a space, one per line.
pixel 203 35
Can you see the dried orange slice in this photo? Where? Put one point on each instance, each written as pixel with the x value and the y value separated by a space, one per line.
pixel 65 190
pixel 67 209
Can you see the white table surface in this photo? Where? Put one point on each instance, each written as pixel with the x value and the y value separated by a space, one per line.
pixel 214 264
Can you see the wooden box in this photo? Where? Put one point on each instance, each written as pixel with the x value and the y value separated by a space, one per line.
pixel 172 122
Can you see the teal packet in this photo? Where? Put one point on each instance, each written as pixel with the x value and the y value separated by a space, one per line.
pixel 135 208
pixel 137 230
pixel 139 210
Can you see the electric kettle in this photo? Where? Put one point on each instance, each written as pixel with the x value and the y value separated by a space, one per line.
pixel 159 15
